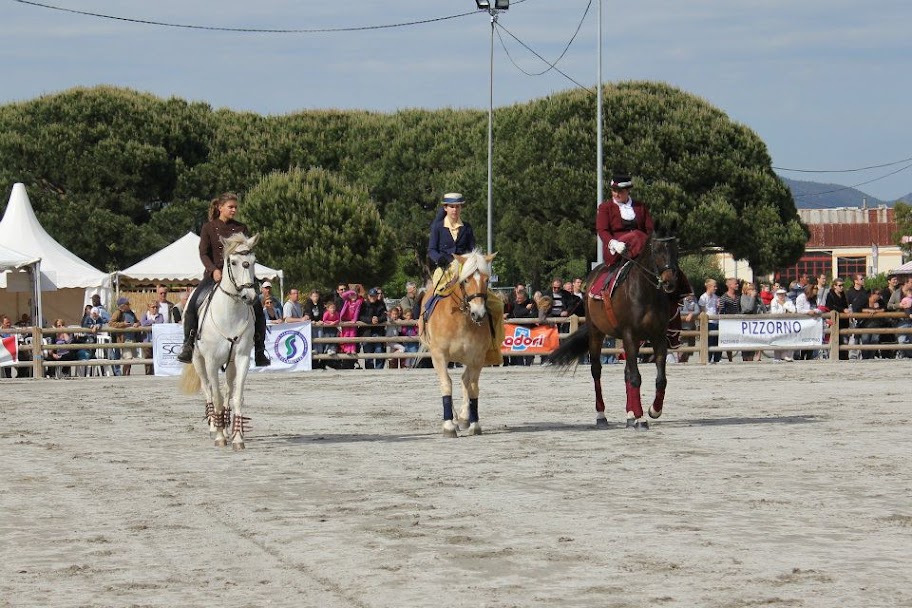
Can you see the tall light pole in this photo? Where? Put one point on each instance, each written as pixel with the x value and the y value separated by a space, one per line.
pixel 493 9
pixel 599 154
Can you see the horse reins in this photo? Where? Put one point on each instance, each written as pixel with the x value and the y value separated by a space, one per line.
pixel 657 273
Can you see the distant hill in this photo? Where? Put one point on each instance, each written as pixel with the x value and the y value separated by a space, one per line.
pixel 816 195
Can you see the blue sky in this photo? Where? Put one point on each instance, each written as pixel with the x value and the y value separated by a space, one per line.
pixel 825 83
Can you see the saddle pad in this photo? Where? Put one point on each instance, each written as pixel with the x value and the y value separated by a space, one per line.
pixel 608 279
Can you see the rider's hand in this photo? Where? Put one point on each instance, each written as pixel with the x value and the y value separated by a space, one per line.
pixel 217 274
pixel 617 246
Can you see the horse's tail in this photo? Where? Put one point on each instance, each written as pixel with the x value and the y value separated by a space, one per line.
pixel 573 347
pixel 189 382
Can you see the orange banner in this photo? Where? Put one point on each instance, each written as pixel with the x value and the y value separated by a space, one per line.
pixel 529 339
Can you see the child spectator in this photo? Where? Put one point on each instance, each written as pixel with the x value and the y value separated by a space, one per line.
pixel 409 331
pixel 330 326
pixel 392 331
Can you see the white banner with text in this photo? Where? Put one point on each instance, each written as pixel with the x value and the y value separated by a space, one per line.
pixel 288 345
pixel 799 331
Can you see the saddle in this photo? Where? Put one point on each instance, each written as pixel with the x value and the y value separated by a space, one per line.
pixel 607 279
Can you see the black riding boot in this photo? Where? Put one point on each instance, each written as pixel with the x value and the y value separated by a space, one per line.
pixel 259 337
pixel 186 354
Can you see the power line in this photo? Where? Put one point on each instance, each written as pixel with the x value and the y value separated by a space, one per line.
pixel 870 181
pixel 247 30
pixel 897 162
pixel 551 66
pixel 528 48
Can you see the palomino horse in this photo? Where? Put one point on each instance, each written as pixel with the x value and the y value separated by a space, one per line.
pixel 224 341
pixel 638 310
pixel 461 330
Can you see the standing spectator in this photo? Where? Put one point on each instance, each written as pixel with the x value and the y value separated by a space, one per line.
pixel 6 325
pixel 837 300
pixel 373 315
pixel 709 303
pixel 272 311
pixel 781 304
pixel 151 317
pixel 895 299
pixel 730 303
pixel 689 311
pixel 523 308
pixel 806 304
pixel 124 317
pixel 578 289
pixel 350 312
pixel 293 311
pixel 330 320
pixel 874 307
pixel 409 331
pixel 86 315
pixel 338 298
pixel 407 302
pixel 765 295
pixel 313 311
pixel 393 329
pixel 751 304
pixel 905 305
pixel 92 323
pixel 822 290
pixel 165 306
pixel 102 311
pixel 266 290
pixel 857 295
pixel 176 314
pixel 562 301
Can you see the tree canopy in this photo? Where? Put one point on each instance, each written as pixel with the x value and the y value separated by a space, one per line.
pixel 115 174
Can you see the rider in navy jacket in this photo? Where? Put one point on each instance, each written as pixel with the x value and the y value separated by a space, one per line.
pixel 442 246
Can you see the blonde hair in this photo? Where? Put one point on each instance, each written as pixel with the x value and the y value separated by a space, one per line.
pixel 216 204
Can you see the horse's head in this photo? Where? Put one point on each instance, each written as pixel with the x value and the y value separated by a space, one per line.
pixel 473 281
pixel 665 255
pixel 238 269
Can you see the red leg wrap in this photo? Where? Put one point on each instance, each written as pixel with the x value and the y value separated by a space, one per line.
pixel 634 404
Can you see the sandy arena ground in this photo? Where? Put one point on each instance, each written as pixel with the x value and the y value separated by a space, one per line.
pixel 763 485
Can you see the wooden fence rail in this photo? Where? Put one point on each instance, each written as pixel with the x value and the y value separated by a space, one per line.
pixel 37 359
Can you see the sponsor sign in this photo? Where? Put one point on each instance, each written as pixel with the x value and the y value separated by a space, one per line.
pixel 799 331
pixel 288 345
pixel 529 339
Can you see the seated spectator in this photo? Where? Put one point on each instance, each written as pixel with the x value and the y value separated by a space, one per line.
pixel 523 308
pixel 781 305
pixel 905 306
pixel 63 337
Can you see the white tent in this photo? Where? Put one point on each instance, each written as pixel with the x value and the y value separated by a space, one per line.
pixel 71 279
pixel 20 273
pixel 179 263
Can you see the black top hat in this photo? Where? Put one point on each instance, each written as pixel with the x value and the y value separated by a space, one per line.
pixel 621 181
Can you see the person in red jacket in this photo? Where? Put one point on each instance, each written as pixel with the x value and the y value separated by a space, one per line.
pixel 623 224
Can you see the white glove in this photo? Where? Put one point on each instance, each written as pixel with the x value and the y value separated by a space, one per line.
pixel 617 247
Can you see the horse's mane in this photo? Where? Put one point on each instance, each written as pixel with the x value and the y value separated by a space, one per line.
pixel 475 261
pixel 233 242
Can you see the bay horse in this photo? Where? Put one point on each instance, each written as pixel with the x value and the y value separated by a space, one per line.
pixel 638 310
pixel 224 341
pixel 461 330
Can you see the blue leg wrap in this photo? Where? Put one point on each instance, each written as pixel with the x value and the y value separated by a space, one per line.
pixel 448 407
pixel 473 410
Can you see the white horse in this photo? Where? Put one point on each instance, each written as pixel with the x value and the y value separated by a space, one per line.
pixel 224 341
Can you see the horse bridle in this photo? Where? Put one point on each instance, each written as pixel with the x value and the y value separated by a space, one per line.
pixel 657 272
pixel 465 298
pixel 237 288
